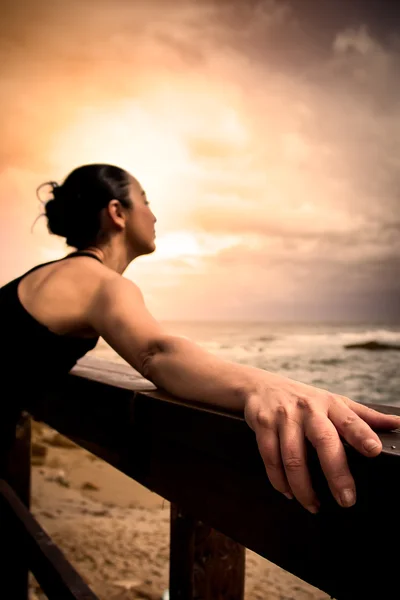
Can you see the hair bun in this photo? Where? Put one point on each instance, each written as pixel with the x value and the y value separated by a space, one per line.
pixel 56 214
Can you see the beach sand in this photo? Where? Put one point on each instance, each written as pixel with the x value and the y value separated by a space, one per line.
pixel 116 532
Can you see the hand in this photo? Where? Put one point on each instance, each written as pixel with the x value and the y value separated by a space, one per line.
pixel 283 413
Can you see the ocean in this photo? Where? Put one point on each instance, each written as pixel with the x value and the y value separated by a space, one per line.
pixel 312 353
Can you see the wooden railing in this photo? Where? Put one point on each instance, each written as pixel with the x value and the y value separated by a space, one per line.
pixel 206 463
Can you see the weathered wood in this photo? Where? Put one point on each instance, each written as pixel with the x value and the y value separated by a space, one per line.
pixel 56 576
pixel 206 461
pixel 15 439
pixel 204 563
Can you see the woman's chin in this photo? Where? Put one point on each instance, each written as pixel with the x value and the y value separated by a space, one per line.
pixel 146 247
pixel 151 247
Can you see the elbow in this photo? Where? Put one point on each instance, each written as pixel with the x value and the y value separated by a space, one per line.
pixel 149 359
pixel 146 361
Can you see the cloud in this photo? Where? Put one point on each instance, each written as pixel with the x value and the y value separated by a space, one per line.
pixel 242 120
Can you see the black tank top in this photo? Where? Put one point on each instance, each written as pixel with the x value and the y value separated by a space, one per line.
pixel 33 352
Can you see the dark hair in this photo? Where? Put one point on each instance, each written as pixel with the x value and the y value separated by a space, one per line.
pixel 74 210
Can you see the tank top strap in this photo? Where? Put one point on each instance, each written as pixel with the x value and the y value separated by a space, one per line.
pixel 35 269
pixel 77 253
pixel 82 253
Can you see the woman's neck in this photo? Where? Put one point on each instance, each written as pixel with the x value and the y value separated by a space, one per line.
pixel 115 258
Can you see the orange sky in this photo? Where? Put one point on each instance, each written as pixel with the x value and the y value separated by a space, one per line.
pixel 272 174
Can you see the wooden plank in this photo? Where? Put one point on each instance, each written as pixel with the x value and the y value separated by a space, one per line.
pixel 204 563
pixel 55 574
pixel 15 440
pixel 207 462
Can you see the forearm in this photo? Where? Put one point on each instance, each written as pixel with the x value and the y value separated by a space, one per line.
pixel 187 371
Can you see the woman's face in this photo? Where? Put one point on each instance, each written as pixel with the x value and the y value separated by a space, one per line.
pixel 140 221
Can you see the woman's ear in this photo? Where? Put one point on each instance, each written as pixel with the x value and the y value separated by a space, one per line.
pixel 116 213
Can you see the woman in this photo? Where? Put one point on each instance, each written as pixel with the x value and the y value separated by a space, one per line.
pixel 57 311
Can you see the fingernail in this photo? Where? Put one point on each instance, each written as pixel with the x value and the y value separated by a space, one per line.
pixel 371 445
pixel 347 498
pixel 288 495
pixel 313 509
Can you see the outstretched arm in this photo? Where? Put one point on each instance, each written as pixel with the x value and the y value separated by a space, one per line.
pixel 282 412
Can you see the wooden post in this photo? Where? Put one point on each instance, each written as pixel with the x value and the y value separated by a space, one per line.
pixel 204 563
pixel 15 455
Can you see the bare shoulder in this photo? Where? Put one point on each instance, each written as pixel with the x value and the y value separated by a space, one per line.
pixel 113 288
pixel 76 276
pixel 59 295
pixel 85 273
pixel 116 299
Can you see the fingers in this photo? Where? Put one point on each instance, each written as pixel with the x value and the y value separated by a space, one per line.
pixel 354 429
pixel 281 441
pixel 324 437
pixel 293 450
pixel 374 418
pixel 268 445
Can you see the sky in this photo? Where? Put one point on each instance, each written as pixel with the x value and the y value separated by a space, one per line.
pixel 265 133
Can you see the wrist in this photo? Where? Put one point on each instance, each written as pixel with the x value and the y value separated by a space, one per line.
pixel 259 393
pixel 253 392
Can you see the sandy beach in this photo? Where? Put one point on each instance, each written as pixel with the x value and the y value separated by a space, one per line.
pixel 116 533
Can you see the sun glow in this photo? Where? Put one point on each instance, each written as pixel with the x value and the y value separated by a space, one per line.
pixel 163 144
pixel 133 138
pixel 162 138
pixel 178 244
pixel 187 244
